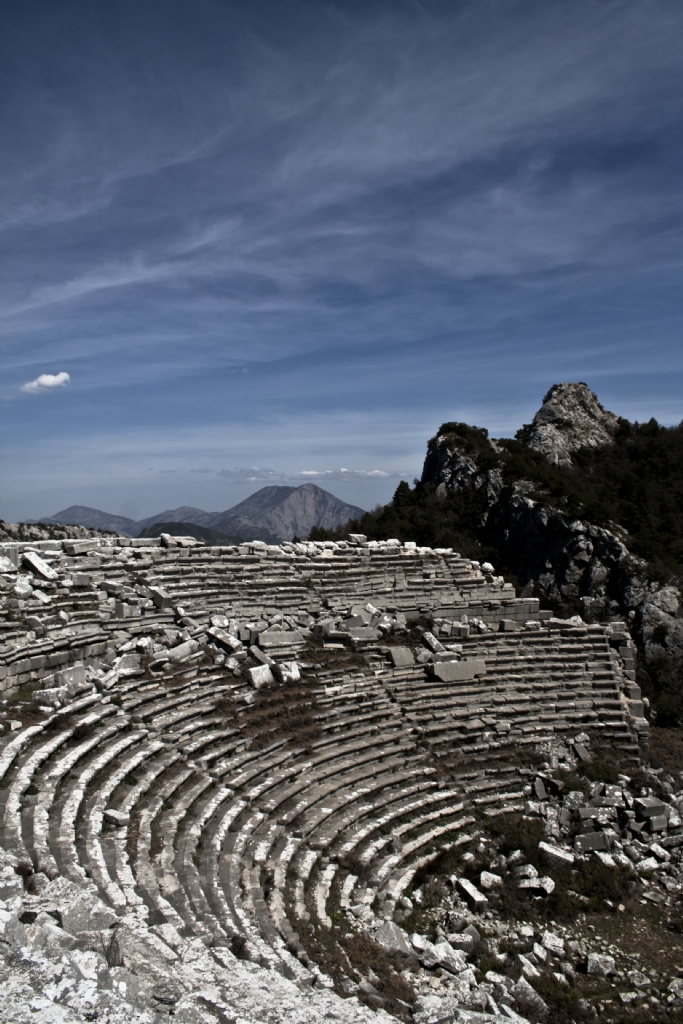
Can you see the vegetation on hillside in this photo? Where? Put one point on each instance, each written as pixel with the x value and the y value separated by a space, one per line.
pixel 636 483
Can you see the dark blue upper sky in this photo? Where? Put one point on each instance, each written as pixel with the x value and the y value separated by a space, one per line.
pixel 298 236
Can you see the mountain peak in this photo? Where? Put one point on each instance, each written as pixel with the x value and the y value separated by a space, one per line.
pixel 571 417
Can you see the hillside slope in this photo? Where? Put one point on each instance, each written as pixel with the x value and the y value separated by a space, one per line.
pixel 93 519
pixel 271 514
pixel 287 512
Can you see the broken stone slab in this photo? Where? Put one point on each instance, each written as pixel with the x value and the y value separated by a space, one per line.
pixel 37 564
pixel 557 857
pixel 273 638
pixel 442 954
pixel 288 672
pixel 591 841
pixel 72 677
pixel 648 807
pixel 526 995
pixel 488 880
pixel 261 675
pixel 553 943
pixel 401 657
pixel 364 633
pixel 462 941
pixel 543 886
pixel 258 655
pixel 161 598
pixel 598 963
pixel 432 643
pixel 50 698
pixel 529 970
pixel 183 651
pixel 458 671
pixel 646 865
pixel 226 640
pixel 117 818
pixel 472 896
pixel 393 939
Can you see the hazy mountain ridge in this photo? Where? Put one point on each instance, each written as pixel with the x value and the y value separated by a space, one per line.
pixel 272 513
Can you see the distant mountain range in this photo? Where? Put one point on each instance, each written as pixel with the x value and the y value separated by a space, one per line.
pixel 271 514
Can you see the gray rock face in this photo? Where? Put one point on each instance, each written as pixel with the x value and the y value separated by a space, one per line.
pixel 570 418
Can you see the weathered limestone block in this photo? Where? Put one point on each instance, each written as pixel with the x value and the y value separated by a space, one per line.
pixel 458 671
pixel 40 566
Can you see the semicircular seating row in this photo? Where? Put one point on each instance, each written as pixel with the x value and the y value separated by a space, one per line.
pixel 223 839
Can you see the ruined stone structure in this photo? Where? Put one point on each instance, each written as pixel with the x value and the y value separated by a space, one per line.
pixel 137 763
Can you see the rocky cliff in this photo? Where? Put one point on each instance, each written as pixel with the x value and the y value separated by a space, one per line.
pixel 532 530
pixel 570 418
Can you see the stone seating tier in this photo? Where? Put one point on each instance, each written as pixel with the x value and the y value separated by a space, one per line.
pixel 168 787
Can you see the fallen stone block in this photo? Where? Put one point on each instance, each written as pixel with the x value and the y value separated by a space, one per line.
pixel 258 655
pixel 529 970
pixel 458 671
pixel 364 633
pixel 273 638
pixel 474 899
pixel 226 640
pixel 288 672
pixel 161 598
pixel 648 807
pixel 597 963
pixel 39 565
pixel 117 818
pixel 543 886
pixel 393 939
pixel 432 643
pixel 555 856
pixel 591 841
pixel 487 880
pixel 51 697
pixel 553 943
pixel 261 675
pixel 526 995
pixel 71 677
pixel 183 651
pixel 401 657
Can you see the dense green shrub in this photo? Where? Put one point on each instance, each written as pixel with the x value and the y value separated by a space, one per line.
pixel 636 483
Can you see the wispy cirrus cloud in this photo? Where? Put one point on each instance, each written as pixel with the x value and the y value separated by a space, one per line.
pixel 302 237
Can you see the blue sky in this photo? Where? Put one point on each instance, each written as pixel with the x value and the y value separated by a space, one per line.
pixel 299 236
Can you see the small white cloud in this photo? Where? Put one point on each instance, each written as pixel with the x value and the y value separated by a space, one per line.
pixel 46 382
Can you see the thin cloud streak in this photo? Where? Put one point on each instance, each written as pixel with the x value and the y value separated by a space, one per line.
pixel 240 231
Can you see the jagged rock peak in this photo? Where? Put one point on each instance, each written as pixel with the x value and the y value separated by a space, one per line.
pixel 570 418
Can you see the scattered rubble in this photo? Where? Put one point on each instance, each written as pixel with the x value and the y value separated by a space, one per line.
pixel 333 780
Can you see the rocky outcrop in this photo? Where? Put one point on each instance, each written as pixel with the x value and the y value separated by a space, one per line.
pixel 565 561
pixel 570 418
